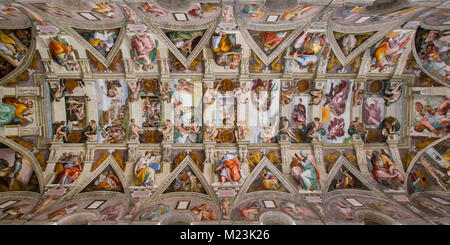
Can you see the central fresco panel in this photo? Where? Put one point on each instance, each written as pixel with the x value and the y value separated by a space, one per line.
pixel 153 113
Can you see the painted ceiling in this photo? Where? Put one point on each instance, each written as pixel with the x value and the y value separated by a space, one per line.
pixel 224 112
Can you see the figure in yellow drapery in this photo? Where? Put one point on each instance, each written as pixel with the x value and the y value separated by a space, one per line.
pixel 61 53
pixel 144 170
pixel 94 42
pixel 57 47
pixel 389 50
pixel 226 52
pixel 8 46
pixel 224 44
pixel 21 108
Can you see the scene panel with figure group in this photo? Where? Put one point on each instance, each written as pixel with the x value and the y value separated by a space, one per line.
pixel 264 108
pixel 16 172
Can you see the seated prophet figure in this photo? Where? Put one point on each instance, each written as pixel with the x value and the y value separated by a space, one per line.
pixel 14 111
pixel 384 170
pixel 145 169
pixel 72 169
pixel 144 51
pixel 62 53
pixel 226 52
pixel 388 51
pixel 229 167
pixel 304 170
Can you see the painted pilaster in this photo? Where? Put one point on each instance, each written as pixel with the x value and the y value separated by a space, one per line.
pixel 243 153
pixel 166 161
pixel 285 164
pixel 318 155
pixel 395 154
pixel 91 104
pixel 358 145
pixel 208 168
pixel 131 161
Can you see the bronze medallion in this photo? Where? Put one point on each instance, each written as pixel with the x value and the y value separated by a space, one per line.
pixel 150 137
pixel 302 86
pixel 375 86
pixel 70 84
pixel 226 136
pixel 226 85
pixel 75 136
pixel 149 85
pixel 373 136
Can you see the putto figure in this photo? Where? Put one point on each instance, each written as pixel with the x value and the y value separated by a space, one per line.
pixel 166 130
pixel 242 130
pixel 389 125
pixel 316 96
pixel 392 95
pixel 357 127
pixel 135 130
pixel 211 131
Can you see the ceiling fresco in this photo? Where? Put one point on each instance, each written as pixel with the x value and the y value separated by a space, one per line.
pixel 224 112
